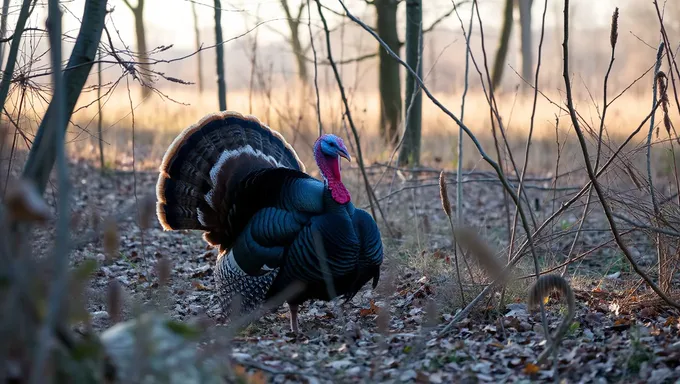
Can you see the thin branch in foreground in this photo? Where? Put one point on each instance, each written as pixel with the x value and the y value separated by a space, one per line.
pixel 613 36
pixel 520 251
pixel 369 190
pixel 476 142
pixel 316 69
pixel 57 123
pixel 589 167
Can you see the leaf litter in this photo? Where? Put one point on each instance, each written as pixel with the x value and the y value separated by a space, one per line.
pixel 605 343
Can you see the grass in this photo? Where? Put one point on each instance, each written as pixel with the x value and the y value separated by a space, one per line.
pixel 157 121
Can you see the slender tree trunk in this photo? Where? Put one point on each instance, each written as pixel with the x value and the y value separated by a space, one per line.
pixel 389 82
pixel 3 28
pixel 219 47
pixel 100 115
pixel 8 71
pixel 43 152
pixel 410 151
pixel 526 41
pixel 140 32
pixel 295 44
pixel 303 74
pixel 503 42
pixel 197 45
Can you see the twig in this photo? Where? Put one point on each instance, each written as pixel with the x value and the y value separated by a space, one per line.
pixel 316 69
pixel 58 122
pixel 589 168
pixel 650 179
pixel 424 88
pixel 459 172
pixel 484 155
pixel 8 71
pixel 613 35
pixel 520 252
pixel 369 191
pixel 100 116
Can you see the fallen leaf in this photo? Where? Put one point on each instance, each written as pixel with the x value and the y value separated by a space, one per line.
pixel 24 202
pixel 373 310
pixel 670 321
pixel 531 369
pixel 199 287
pixel 257 378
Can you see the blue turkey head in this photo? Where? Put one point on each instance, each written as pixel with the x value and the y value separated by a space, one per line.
pixel 333 146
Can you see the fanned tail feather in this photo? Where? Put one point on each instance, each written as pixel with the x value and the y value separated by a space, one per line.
pixel 207 161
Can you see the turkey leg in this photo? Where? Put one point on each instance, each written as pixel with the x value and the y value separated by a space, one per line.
pixel 294 317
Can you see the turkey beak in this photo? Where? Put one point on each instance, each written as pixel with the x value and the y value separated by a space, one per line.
pixel 345 154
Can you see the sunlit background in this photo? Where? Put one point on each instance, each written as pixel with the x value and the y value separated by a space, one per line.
pixel 262 72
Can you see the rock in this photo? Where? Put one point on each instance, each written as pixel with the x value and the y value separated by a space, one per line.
pixel 100 258
pixel 407 375
pixel 172 354
pixel 524 326
pixel 354 370
pixel 196 309
pixel 99 315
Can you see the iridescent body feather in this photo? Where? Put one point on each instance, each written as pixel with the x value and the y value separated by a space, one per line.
pixel 243 185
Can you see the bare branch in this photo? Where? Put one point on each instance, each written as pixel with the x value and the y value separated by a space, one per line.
pixel 589 167
pixel 352 60
pixel 133 9
pixel 444 16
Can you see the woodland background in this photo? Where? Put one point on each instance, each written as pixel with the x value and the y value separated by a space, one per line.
pixel 512 117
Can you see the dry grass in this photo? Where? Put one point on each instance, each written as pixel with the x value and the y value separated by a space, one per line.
pixel 158 120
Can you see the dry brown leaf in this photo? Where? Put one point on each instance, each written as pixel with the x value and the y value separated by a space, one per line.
pixel 115 300
pixel 24 203
pixel 531 369
pixel 199 287
pixel 257 378
pixel 111 238
pixel 240 370
pixel 670 321
pixel 369 311
pixel 163 269
pixel 147 211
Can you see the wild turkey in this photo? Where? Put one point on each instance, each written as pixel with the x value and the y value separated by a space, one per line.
pixel 243 185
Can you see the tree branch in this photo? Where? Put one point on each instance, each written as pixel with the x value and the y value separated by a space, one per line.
pixel 444 16
pixel 42 155
pixel 346 61
pixel 584 149
pixel 13 50
pixel 133 9
pixel 300 10
pixel 369 191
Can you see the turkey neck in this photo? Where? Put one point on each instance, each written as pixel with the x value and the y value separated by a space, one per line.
pixel 330 170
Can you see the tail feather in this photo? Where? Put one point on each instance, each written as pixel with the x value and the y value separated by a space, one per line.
pixel 207 161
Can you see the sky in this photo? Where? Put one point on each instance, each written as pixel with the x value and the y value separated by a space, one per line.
pixel 170 21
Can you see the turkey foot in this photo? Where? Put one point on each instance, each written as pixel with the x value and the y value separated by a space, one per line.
pixel 294 325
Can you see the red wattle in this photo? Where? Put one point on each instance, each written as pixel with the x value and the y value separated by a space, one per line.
pixel 330 169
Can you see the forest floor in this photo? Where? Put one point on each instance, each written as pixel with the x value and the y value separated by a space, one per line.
pixel 621 332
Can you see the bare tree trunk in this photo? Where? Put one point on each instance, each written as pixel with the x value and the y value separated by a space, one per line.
pixel 219 47
pixel 295 43
pixel 503 42
pixel 303 74
pixel 3 28
pixel 8 71
pixel 140 34
pixel 410 151
pixel 43 152
pixel 100 116
pixel 389 83
pixel 526 41
pixel 197 45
